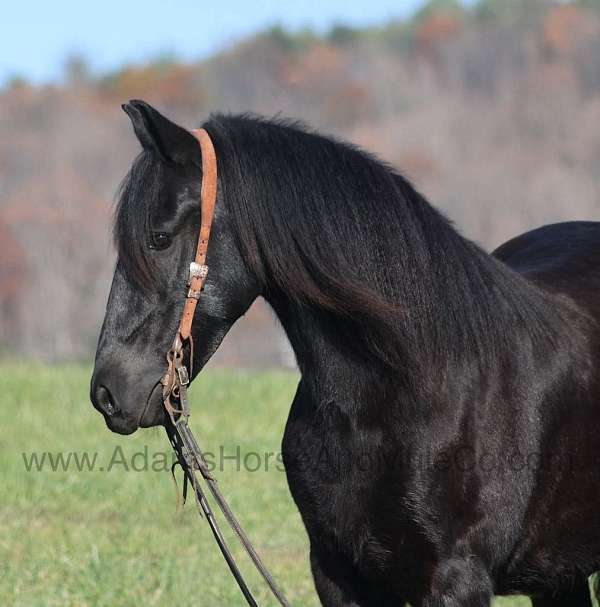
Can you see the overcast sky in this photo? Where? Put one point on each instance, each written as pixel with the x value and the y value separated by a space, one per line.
pixel 36 36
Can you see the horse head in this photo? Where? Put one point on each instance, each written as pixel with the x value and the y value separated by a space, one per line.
pixel 156 230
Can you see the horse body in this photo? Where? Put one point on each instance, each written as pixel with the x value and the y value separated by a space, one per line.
pixel 474 477
pixel 441 446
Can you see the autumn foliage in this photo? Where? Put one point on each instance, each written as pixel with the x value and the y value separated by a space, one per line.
pixel 494 113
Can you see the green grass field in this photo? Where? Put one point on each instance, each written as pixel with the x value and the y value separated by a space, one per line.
pixel 113 537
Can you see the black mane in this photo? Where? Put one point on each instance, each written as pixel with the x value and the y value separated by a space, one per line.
pixel 334 228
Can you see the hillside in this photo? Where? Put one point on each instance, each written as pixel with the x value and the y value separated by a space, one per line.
pixel 493 112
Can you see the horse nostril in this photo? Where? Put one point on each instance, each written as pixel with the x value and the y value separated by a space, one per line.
pixel 103 401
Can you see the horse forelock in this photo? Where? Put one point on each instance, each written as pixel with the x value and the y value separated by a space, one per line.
pixel 138 196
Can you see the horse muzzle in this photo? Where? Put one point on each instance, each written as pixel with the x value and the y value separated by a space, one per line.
pixel 126 405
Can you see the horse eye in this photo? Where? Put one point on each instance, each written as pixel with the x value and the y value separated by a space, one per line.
pixel 159 240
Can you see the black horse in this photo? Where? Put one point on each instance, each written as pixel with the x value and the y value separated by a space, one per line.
pixel 442 446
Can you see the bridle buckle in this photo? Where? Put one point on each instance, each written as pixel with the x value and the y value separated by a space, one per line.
pixel 197 270
pixel 184 378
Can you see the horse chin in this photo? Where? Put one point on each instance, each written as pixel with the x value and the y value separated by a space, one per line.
pixel 153 416
pixel 154 412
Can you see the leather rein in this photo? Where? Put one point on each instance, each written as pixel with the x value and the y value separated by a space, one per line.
pixel 174 391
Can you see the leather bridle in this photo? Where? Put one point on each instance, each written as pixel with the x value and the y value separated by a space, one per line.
pixel 174 391
pixel 198 272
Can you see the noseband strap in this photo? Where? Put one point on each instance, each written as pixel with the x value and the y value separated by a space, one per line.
pixel 177 378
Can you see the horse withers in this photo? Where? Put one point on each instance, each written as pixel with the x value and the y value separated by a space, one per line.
pixel 442 444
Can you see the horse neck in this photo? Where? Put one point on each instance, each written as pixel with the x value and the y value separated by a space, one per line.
pixel 464 309
pixel 455 303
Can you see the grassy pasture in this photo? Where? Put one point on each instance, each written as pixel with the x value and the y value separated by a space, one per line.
pixel 110 536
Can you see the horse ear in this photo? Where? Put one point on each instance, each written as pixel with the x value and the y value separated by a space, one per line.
pixel 158 134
